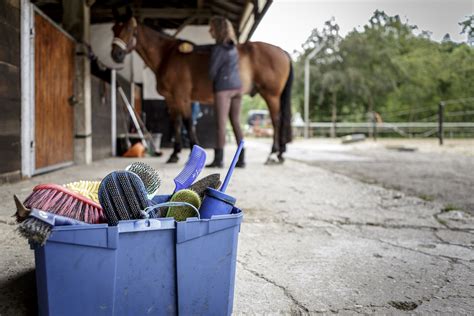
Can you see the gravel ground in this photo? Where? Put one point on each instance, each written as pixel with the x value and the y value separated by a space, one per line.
pixel 312 240
pixel 420 168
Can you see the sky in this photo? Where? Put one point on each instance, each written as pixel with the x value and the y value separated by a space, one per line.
pixel 288 23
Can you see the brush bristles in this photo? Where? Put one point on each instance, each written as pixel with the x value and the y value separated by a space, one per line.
pixel 61 203
pixel 150 177
pixel 88 189
pixel 192 168
pixel 210 181
pixel 35 230
pixel 180 213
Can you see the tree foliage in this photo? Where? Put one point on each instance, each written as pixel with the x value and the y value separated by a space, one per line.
pixel 387 68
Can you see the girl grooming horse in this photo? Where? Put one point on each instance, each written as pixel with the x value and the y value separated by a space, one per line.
pixel 226 83
pixel 182 78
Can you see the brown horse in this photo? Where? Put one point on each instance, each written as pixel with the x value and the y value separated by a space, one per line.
pixel 183 78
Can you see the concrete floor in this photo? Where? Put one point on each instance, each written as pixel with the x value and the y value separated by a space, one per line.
pixel 312 240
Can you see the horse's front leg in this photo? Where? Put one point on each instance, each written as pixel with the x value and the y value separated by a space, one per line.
pixel 191 129
pixel 176 121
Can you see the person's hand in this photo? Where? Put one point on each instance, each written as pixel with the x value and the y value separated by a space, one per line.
pixel 185 47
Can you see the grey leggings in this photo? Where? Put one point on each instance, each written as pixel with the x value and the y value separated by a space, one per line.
pixel 228 103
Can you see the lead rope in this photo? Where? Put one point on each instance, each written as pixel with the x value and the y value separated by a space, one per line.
pixel 146 212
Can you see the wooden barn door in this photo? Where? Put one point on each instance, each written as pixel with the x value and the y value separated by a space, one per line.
pixel 54 85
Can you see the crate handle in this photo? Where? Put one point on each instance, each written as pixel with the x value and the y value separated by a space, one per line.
pixel 146 212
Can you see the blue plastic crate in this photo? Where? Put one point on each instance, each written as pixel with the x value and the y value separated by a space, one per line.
pixel 143 267
pixel 129 269
pixel 206 256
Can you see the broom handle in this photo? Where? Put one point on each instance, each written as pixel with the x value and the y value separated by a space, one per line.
pixel 132 115
pixel 232 166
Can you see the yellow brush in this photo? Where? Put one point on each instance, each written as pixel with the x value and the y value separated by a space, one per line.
pixel 88 189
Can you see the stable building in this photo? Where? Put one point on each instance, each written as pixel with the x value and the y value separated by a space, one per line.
pixel 57 104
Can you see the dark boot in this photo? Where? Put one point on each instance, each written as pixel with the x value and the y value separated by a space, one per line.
pixel 218 159
pixel 241 162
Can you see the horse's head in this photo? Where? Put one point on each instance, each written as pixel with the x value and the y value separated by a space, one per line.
pixel 125 35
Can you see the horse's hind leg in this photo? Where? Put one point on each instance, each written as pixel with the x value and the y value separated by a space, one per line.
pixel 234 117
pixel 273 103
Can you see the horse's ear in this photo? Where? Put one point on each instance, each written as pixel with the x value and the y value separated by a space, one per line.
pixel 128 13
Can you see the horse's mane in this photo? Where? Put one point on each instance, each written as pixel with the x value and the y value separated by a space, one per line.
pixel 166 35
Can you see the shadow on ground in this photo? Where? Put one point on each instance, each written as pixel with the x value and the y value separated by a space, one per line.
pixel 19 291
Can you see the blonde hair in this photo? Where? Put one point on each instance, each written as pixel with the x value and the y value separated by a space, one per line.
pixel 223 30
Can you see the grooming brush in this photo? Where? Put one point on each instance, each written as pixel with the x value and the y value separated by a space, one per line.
pixel 150 177
pixel 89 189
pixel 232 166
pixel 62 201
pixel 180 213
pixel 210 181
pixel 122 194
pixel 39 224
pixel 192 169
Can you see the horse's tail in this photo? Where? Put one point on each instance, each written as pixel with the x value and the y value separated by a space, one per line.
pixel 285 111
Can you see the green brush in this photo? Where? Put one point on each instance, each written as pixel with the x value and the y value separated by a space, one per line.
pixel 180 213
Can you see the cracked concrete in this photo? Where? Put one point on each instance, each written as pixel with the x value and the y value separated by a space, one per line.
pixel 312 242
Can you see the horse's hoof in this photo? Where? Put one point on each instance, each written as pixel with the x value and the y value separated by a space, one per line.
pixel 173 159
pixel 281 159
pixel 272 159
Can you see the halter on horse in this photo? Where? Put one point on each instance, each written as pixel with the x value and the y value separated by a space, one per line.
pixel 182 78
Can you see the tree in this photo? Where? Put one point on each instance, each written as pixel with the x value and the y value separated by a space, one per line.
pixel 386 68
pixel 468 26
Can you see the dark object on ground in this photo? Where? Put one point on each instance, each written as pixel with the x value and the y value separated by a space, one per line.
pixel 18 294
pixel 403 306
pixel 402 148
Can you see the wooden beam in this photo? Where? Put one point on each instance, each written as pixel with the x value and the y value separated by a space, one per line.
pixel 229 6
pixel 259 17
pixel 255 7
pixel 184 24
pixel 231 16
pixel 200 6
pixel 155 13
pixel 43 2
